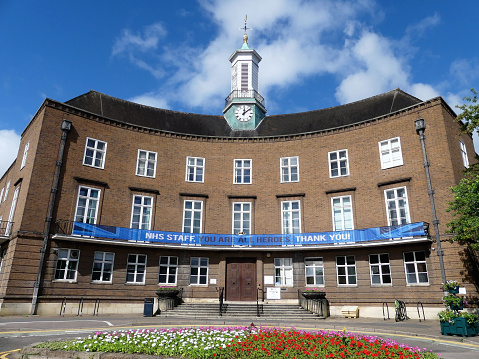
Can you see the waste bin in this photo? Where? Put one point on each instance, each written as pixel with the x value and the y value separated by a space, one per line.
pixel 148 307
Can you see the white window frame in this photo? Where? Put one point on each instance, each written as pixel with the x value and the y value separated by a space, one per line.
pixel 70 257
pixel 289 216
pixel 283 272
pixel 416 268
pixel 339 162
pixel 145 212
pixel 107 260
pixel 95 153
pixel 243 171
pixel 398 208
pixel 137 268
pixel 25 154
pixel 241 220
pixel 12 211
pixel 199 268
pixel 311 267
pixel 3 252
pixel 1 195
pixel 287 168
pixel 89 200
pixel 171 270
pixel 349 270
pixel 191 215
pixel 391 156
pixel 465 159
pixel 195 171
pixel 380 269
pixel 146 166
pixel 7 188
pixel 341 209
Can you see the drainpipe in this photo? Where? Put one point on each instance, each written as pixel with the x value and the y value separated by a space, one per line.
pixel 65 127
pixel 420 125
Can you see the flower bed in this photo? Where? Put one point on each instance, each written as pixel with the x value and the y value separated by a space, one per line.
pixel 245 342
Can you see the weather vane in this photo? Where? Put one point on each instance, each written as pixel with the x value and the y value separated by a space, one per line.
pixel 245 36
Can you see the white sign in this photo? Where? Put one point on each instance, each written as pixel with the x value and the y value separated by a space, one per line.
pixel 268 279
pixel 273 293
pixel 462 290
pixel 212 280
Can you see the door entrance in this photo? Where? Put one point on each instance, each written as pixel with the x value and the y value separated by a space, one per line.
pixel 241 279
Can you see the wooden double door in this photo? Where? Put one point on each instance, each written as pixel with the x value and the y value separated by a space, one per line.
pixel 241 279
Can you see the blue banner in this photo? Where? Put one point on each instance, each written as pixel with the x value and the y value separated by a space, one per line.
pixel 252 240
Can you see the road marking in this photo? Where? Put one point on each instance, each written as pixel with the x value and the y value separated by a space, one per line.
pixel 60 321
pixel 3 355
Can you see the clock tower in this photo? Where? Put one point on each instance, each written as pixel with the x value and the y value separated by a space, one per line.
pixel 244 107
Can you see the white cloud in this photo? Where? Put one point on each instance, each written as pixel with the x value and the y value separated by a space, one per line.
pixel 150 99
pixel 9 142
pixel 139 42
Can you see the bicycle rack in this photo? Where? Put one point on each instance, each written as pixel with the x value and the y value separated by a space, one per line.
pixel 418 314
pixel 63 307
pixel 97 306
pixel 80 307
pixel 387 309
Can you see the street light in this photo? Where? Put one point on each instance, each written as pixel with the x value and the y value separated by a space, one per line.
pixel 420 125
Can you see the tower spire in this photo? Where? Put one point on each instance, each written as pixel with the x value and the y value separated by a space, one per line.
pixel 245 36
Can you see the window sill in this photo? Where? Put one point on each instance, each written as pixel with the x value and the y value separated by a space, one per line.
pixel 71 281
pixel 134 283
pixel 100 282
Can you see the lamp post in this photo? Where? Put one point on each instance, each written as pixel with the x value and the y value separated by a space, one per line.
pixel 420 125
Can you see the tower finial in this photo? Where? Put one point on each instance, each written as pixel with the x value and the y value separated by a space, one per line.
pixel 245 36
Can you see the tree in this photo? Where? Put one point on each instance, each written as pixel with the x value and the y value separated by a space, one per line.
pixel 465 205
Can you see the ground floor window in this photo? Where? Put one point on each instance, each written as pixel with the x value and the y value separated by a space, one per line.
pixel 415 267
pixel 346 270
pixel 168 270
pixel 102 267
pixel 314 271
pixel 380 269
pixel 283 271
pixel 67 264
pixel 199 270
pixel 136 268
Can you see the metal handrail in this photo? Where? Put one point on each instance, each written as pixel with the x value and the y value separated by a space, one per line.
pixel 259 307
pixel 63 307
pixel 387 309
pixel 221 300
pixel 418 314
pixel 244 94
pixel 97 306
pixel 5 227
pixel 80 307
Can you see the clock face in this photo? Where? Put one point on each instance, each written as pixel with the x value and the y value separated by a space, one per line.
pixel 244 113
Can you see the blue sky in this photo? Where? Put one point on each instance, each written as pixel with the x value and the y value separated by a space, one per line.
pixel 174 54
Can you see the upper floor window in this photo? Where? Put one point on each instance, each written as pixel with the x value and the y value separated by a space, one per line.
pixel 415 267
pixel 141 212
pixel 342 213
pixel 338 163
pixel 102 267
pixel 1 195
pixel 87 205
pixel 283 271
pixel 380 269
pixel 195 168
pixel 289 169
pixel 146 164
pixel 242 171
pixel 67 264
pixel 314 271
pixel 192 216
pixel 465 159
pixel 136 268
pixel 346 270
pixel 6 192
pixel 290 217
pixel 168 270
pixel 390 153
pixel 95 152
pixel 25 154
pixel 12 211
pixel 397 206
pixel 242 217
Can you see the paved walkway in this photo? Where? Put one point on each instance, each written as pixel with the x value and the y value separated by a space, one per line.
pixel 425 334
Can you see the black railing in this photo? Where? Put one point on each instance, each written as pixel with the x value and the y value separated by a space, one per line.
pixel 385 305
pixel 5 227
pixel 221 300
pixel 259 307
pixel 244 94
pixel 419 304
pixel 64 227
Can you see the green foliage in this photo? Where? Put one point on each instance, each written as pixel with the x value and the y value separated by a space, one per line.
pixel 449 316
pixel 450 284
pixel 452 300
pixel 469 118
pixel 465 208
